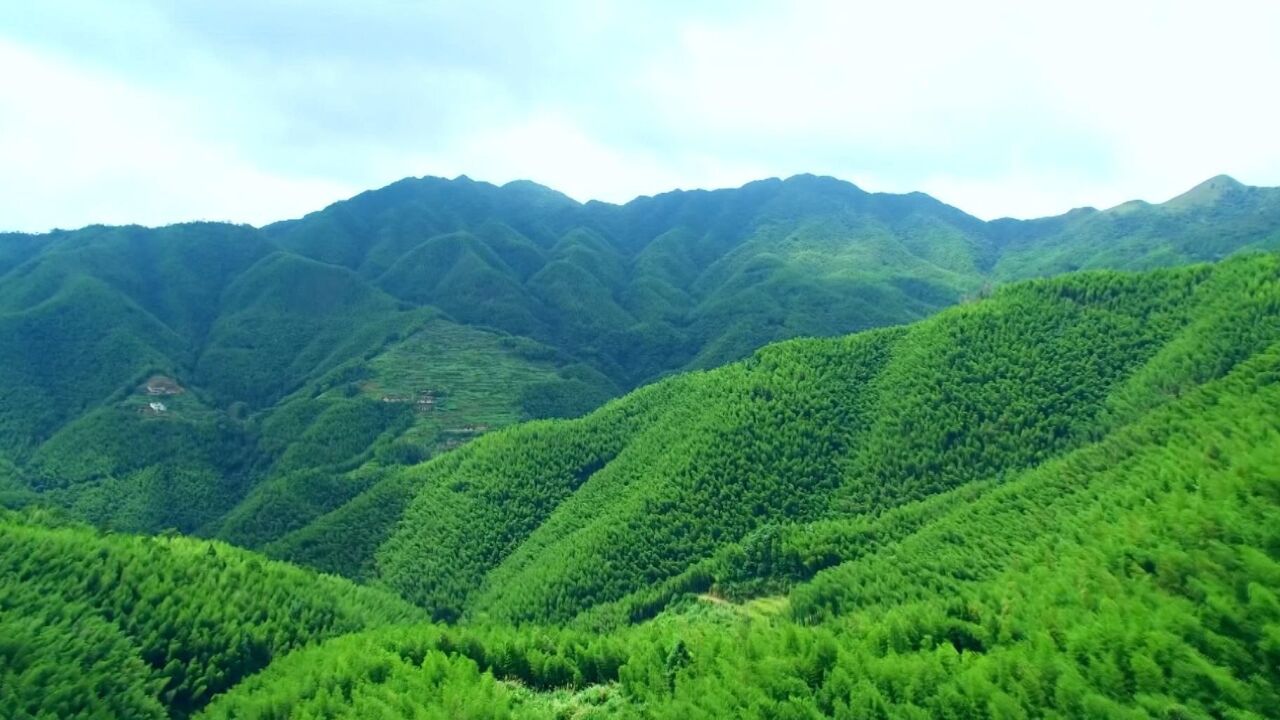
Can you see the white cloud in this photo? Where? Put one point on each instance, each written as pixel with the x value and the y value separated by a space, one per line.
pixel 256 112
pixel 1001 108
pixel 554 150
pixel 82 147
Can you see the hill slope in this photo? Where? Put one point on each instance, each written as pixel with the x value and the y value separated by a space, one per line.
pixel 125 626
pixel 545 521
pixel 1212 220
pixel 1135 577
pixel 307 362
pixel 1057 501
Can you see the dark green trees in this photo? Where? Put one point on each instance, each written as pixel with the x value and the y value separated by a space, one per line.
pixel 680 482
pixel 111 625
pixel 1057 501
pixel 513 302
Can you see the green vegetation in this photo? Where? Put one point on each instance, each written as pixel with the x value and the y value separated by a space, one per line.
pixel 1057 500
pixel 468 307
pixel 1119 559
pixel 461 381
pixel 112 625
pixel 1209 222
pixel 644 490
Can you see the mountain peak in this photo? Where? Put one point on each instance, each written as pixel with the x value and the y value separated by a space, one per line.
pixel 811 181
pixel 1207 192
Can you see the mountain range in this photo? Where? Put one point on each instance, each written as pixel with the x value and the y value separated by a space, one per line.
pixel 244 383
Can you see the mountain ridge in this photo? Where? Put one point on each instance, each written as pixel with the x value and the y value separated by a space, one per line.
pixel 307 329
pixel 1215 182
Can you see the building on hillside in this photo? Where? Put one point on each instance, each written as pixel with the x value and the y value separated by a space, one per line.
pixel 161 385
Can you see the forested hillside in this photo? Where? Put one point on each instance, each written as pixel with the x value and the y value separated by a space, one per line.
pixel 121 626
pixel 546 521
pixel 249 383
pixel 1058 501
pixel 1138 235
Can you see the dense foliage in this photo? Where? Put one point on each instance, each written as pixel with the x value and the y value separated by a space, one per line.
pixel 315 358
pixel 1059 500
pixel 1134 574
pixel 126 626
pixel 545 521
pixel 1209 222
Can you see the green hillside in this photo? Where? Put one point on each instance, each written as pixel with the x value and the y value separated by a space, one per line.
pixel 119 626
pixel 1134 577
pixel 545 521
pixel 1138 235
pixel 316 360
pixel 1058 501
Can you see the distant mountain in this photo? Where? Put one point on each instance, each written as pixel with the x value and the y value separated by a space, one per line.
pixel 1211 221
pixel 660 283
pixel 313 358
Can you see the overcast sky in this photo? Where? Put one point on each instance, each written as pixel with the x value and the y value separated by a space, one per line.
pixel 253 111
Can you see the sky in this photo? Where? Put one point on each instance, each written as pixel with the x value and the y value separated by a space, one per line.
pixel 151 112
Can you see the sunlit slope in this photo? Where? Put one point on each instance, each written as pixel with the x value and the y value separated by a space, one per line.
pixel 321 357
pixel 128 626
pixel 542 522
pixel 1056 501
pixel 1136 576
